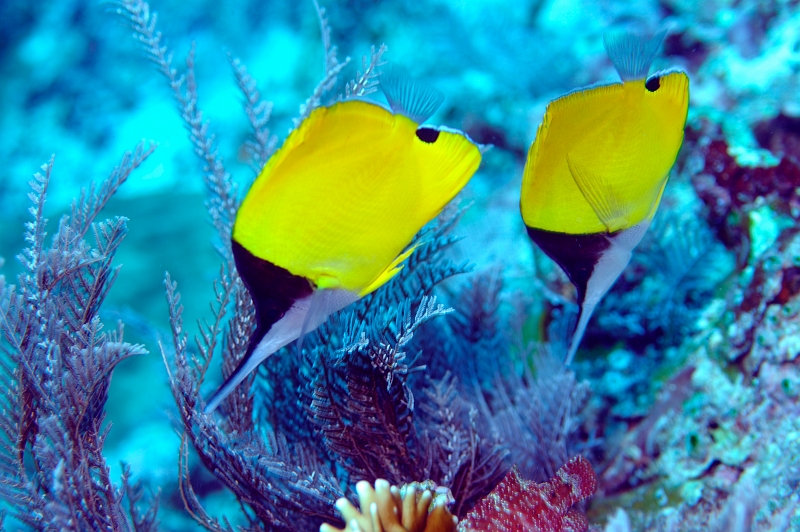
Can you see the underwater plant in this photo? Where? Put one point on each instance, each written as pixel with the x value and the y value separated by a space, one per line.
pixel 56 367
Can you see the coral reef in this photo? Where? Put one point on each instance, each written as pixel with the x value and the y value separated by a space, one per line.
pixel 348 404
pixel 513 505
pixel 699 459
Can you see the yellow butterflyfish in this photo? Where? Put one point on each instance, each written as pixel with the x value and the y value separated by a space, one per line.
pixel 597 169
pixel 331 215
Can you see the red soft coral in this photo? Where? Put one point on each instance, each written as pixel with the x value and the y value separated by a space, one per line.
pixel 519 505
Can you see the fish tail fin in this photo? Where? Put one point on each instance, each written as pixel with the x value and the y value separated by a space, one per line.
pixel 612 262
pixel 266 342
pixel 632 53
pixel 414 99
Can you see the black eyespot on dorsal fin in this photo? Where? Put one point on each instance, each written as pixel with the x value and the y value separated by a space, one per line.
pixel 427 134
pixel 653 83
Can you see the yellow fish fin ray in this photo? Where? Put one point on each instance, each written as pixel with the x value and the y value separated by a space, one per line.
pixel 657 200
pixel 600 195
pixel 296 137
pixel 584 96
pixel 414 99
pixel 391 270
pixel 631 53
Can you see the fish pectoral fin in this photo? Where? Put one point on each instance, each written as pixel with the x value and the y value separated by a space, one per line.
pixel 599 193
pixel 391 270
pixel 414 99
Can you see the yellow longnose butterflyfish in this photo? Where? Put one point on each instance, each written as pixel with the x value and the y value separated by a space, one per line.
pixel 331 215
pixel 597 169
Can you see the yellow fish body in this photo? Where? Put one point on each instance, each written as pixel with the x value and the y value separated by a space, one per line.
pixel 361 184
pixel 332 213
pixel 598 166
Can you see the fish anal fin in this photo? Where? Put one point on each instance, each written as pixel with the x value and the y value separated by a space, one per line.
pixel 600 195
pixel 302 317
pixel 633 53
pixel 414 99
pixel 245 367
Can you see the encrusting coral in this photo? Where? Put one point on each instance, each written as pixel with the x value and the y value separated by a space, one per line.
pixel 517 505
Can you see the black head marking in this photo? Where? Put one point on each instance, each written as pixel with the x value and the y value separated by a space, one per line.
pixel 272 288
pixel 653 83
pixel 427 134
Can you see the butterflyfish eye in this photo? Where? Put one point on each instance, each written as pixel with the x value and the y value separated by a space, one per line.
pixel 427 134
pixel 653 84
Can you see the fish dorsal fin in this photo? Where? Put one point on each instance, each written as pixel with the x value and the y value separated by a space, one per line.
pixel 414 99
pixel 600 195
pixel 632 53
